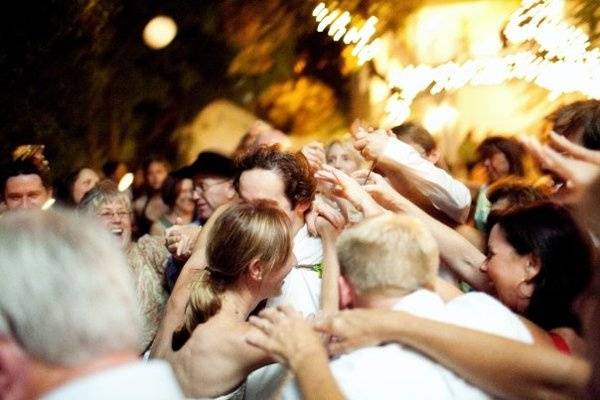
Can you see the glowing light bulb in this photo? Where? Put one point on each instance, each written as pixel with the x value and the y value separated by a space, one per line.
pixel 159 32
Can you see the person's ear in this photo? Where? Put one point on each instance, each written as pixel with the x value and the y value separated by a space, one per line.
pixel 532 268
pixel 13 370
pixel 230 191
pixel 434 156
pixel 301 208
pixel 346 292
pixel 255 270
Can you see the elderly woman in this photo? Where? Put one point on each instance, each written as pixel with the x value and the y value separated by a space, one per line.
pixel 146 257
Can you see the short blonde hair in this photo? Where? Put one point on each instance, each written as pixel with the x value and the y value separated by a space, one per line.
pixel 388 251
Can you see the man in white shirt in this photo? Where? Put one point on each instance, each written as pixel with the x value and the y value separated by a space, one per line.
pixel 69 325
pixel 390 261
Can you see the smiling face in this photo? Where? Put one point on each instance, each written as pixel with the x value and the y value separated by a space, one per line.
pixel 25 191
pixel 185 202
pixel 86 179
pixel 211 192
pixel 117 218
pixel 508 271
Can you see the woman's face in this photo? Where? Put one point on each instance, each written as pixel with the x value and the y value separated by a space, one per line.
pixel 273 281
pixel 117 218
pixel 339 158
pixel 185 201
pixel 507 271
pixel 86 180
pixel 497 166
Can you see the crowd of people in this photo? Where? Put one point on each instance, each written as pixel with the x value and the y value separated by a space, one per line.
pixel 362 268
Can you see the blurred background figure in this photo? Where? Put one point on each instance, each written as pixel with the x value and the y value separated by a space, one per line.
pixel 150 205
pixel 177 194
pixel 25 185
pixel 71 189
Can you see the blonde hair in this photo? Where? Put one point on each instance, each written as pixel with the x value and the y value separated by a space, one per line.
pixel 243 233
pixel 347 145
pixel 388 251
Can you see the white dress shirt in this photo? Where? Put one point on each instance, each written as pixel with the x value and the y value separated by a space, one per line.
pixel 447 194
pixel 396 372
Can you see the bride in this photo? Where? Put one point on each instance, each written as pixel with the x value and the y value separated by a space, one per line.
pixel 248 256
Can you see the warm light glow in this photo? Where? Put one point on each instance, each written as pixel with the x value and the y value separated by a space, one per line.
pixel 439 118
pixel 48 204
pixel 159 32
pixel 563 51
pixel 125 182
pixel 364 47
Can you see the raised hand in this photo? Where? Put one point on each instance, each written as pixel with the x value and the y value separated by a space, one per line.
pixel 577 174
pixel 315 154
pixel 284 334
pixel 321 210
pixel 349 189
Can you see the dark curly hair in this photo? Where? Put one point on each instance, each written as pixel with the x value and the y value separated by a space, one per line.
pixel 293 168
pixel 549 232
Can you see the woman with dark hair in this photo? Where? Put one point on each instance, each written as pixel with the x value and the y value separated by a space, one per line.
pixel 501 157
pixel 537 263
pixel 177 194
pixel 75 185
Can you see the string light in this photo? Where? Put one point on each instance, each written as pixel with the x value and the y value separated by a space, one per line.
pixel 365 47
pixel 563 51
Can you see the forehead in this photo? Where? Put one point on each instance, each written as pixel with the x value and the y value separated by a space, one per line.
pixel 208 179
pixel 24 183
pixel 113 204
pixel 261 184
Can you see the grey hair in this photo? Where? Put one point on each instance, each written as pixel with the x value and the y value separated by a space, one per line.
pixel 104 192
pixel 66 294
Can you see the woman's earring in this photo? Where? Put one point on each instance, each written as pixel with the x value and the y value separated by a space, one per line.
pixel 525 289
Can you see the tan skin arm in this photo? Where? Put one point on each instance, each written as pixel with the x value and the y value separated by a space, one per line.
pixel 456 251
pixel 504 367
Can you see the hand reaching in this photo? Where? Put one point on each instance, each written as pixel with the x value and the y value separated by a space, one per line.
pixel 315 154
pixel 578 169
pixel 379 188
pixel 284 334
pixel 348 188
pixel 352 329
pixel 180 240
pixel 322 213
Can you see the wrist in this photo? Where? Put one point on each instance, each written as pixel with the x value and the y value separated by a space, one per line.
pixel 308 355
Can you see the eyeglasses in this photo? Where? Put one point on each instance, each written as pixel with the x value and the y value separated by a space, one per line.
pixel 203 186
pixel 110 214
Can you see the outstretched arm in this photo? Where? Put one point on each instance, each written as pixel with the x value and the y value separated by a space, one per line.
pixel 457 252
pixel 501 366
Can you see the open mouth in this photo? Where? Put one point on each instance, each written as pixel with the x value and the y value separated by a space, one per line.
pixel 117 232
